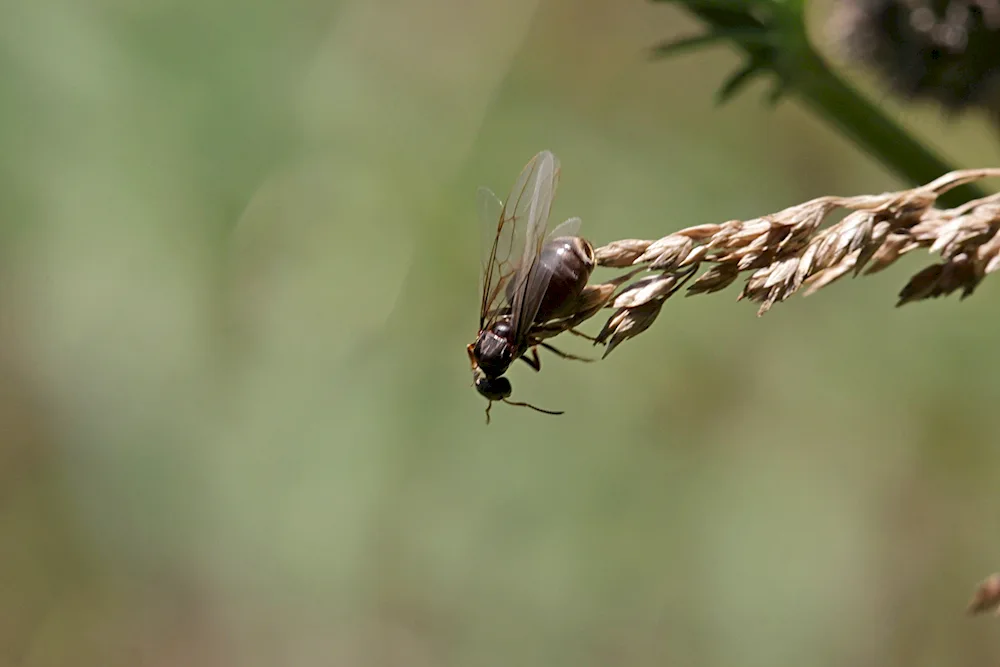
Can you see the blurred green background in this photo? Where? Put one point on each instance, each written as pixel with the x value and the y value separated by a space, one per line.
pixel 238 268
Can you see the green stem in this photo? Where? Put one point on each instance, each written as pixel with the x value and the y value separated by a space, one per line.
pixel 831 97
pixel 874 131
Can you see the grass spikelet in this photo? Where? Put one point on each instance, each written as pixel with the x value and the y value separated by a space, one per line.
pixel 792 250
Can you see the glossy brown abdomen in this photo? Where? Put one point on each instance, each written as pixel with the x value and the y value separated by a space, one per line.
pixel 570 260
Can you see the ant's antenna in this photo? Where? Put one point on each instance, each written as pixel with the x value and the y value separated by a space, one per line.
pixel 533 407
pixel 489 405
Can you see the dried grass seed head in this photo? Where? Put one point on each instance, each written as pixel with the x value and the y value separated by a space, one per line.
pixel 791 250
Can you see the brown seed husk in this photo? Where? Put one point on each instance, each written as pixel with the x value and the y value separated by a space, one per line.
pixel 792 250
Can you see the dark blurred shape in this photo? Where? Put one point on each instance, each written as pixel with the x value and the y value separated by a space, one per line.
pixel 945 50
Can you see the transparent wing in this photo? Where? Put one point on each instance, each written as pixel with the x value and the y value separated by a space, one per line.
pixel 568 227
pixel 529 283
pixel 538 279
pixel 513 233
pixel 498 237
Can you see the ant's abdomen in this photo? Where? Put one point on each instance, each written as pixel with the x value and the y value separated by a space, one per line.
pixel 570 260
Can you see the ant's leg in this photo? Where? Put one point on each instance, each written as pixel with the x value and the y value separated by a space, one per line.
pixel 581 334
pixel 534 361
pixel 564 355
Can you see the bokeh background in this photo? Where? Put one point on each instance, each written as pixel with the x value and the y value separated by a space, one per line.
pixel 238 268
